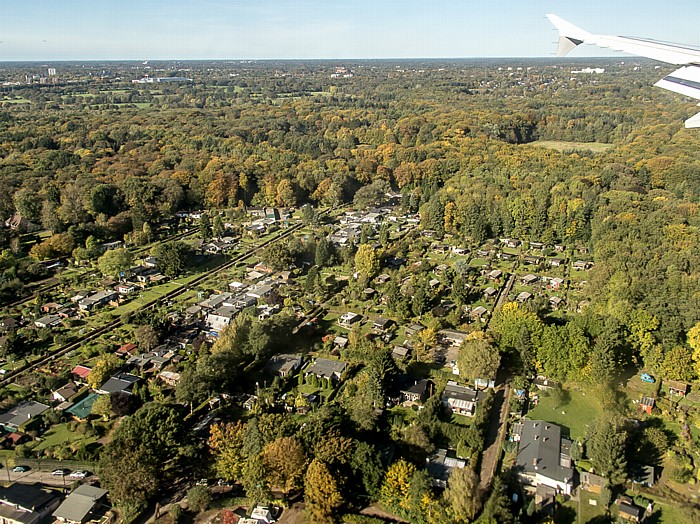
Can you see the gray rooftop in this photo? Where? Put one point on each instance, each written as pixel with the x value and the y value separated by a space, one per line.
pixel 543 451
pixel 22 413
pixel 327 368
pixel 79 503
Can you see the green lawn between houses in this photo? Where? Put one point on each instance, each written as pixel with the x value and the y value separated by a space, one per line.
pixel 575 413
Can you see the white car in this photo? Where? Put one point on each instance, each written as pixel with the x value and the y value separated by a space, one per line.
pixel 78 475
pixel 59 472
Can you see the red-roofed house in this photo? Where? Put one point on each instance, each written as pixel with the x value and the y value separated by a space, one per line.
pixel 17 438
pixel 126 349
pixel 80 374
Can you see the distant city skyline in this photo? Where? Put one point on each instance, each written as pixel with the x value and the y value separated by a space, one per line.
pixel 44 30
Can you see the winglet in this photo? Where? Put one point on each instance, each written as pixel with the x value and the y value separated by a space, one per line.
pixel 569 35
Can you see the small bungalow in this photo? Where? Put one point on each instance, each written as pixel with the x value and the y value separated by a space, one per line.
pixel 48 321
pixel 532 260
pixel 324 368
pixel 555 302
pixel 523 297
pixel 80 374
pixel 582 265
pixel 452 336
pixel 348 319
pixel 121 382
pixel 494 274
pixel 418 392
pixel 529 280
pixel 537 245
pixel 591 482
pixel 490 292
pixel 79 504
pixel 413 330
pixel 340 342
pixel 630 512
pixel 382 279
pixel 170 378
pixel 441 464
pixel 400 352
pixel 676 387
pixel 478 313
pixel 382 324
pixel 126 350
pixel 283 365
pixel 555 262
pixel 647 404
pixel 460 400
pixel 65 393
pixel 544 384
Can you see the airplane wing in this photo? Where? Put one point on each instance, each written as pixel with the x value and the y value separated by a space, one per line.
pixel 684 81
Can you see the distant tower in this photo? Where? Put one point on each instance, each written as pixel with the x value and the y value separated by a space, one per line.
pixel 52 71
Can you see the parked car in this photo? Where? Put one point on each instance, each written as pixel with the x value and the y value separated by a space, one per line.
pixel 20 469
pixel 60 472
pixel 78 474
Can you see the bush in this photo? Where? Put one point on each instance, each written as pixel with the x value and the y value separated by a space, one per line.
pixel 175 512
pixel 198 499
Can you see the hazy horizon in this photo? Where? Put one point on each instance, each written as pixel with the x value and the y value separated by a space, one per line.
pixel 172 30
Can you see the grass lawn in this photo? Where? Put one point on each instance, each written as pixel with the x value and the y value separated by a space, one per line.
pixel 588 511
pixel 560 145
pixel 60 434
pixel 576 412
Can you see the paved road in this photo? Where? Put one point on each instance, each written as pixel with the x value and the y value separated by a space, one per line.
pixel 39 475
pixel 495 436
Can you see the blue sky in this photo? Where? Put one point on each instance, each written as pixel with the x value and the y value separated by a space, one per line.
pixel 270 29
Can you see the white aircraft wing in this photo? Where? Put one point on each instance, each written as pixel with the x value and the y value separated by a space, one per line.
pixel 684 81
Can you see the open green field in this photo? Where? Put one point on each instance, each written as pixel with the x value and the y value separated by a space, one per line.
pixel 59 435
pixel 577 411
pixel 559 145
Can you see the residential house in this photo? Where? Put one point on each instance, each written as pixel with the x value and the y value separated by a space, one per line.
pixel 119 383
pixel 126 350
pixel 452 336
pixel 126 288
pixel 460 400
pixel 441 464
pixel 16 417
pixel 48 321
pixel 400 352
pixel 647 404
pixel 544 384
pixel 170 378
pixel 544 456
pixel 98 299
pixel 555 302
pixel 382 324
pixel 80 503
pixel 494 274
pixel 523 297
pixel 529 280
pixel 418 392
pixel 490 292
pixel 676 387
pixel 26 504
pixel 82 409
pixel 413 330
pixel 478 313
pixel 65 393
pixel 591 482
pixel 219 319
pixel 284 365
pixel 8 324
pixel 324 368
pixel 348 319
pixel 629 511
pixel 80 374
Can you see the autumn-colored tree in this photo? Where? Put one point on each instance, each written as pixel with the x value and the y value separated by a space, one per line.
pixel 226 443
pixel 334 448
pixel 366 261
pixel 285 461
pixel 322 493
pixel 105 367
pixel 396 490
pixel 694 342
pixel 285 193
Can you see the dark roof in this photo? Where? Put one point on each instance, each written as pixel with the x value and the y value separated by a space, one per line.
pixel 631 510
pixel 283 363
pixel 543 451
pixel 453 390
pixel 119 382
pixel 327 368
pixel 441 464
pixel 419 388
pixel 31 497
